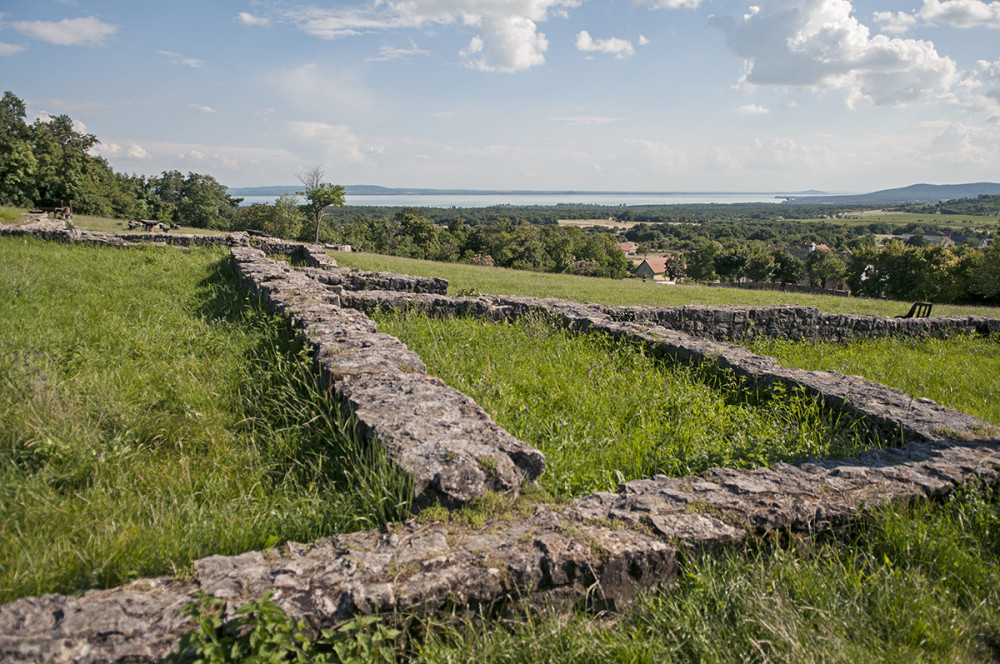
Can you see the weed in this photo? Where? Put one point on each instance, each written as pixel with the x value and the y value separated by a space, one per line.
pixel 263 632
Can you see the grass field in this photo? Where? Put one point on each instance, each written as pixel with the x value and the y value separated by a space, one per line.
pixel 604 412
pixel 152 415
pixel 962 372
pixel 149 418
pixel 465 278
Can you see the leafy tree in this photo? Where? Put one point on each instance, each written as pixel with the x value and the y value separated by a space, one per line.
pixel 701 261
pixel 986 273
pixel 787 268
pixel 760 263
pixel 731 263
pixel 18 164
pixel 320 195
pixel 62 160
pixel 824 267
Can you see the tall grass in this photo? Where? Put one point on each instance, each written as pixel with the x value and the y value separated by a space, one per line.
pixel 154 415
pixel 962 372
pixel 605 412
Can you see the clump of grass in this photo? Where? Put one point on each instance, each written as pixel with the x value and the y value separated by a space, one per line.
pixel 605 412
pixel 917 583
pixel 154 415
pixel 962 372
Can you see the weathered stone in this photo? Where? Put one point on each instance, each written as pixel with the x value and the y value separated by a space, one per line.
pixel 604 548
pixel 449 445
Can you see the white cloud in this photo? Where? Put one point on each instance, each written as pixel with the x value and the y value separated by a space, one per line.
pixel 642 40
pixel 659 153
pixel 513 44
pixel 134 151
pixel 249 19
pixel 9 49
pixel 819 44
pixel 962 13
pixel 444 114
pixel 719 159
pixel 585 120
pixel 785 154
pixel 315 88
pixel 387 53
pixel 338 142
pixel 897 23
pixel 178 59
pixel 619 48
pixel 752 109
pixel 962 145
pixel 509 40
pixel 90 31
pixel 203 109
pixel 669 4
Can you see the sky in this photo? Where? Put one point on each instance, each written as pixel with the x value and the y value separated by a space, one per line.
pixel 605 95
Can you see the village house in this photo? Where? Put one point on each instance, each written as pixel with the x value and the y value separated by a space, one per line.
pixel 653 268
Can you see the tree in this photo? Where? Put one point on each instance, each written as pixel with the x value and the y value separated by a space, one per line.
pixel 760 263
pixel 787 268
pixel 18 165
pixel 320 195
pixel 701 260
pixel 825 267
pixel 986 273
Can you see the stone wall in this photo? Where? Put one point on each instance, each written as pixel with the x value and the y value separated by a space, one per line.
pixel 799 323
pixel 604 548
pixel 895 413
pixel 449 445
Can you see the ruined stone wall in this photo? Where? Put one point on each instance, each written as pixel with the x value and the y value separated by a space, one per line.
pixel 896 414
pixel 729 323
pixel 604 548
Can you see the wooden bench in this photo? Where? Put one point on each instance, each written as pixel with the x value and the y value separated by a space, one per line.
pixel 62 213
pixel 918 310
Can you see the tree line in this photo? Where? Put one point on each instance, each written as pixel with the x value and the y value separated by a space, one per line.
pixel 48 163
pixel 898 270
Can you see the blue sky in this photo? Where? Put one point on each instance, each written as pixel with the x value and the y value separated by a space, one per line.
pixel 642 95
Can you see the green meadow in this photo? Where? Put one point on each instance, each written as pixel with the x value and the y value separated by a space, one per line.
pixel 153 414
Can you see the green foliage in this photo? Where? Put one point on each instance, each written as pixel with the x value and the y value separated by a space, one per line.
pixel 518 245
pixel 48 164
pixel 824 268
pixel 263 632
pixel 462 277
pixel 319 196
pixel 284 219
pixel 701 261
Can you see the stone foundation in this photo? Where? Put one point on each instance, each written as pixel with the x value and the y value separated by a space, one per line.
pixel 604 548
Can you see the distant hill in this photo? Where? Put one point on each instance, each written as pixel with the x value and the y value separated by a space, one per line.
pixel 915 193
pixel 376 190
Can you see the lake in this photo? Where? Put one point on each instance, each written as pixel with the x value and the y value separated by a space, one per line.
pixel 486 200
